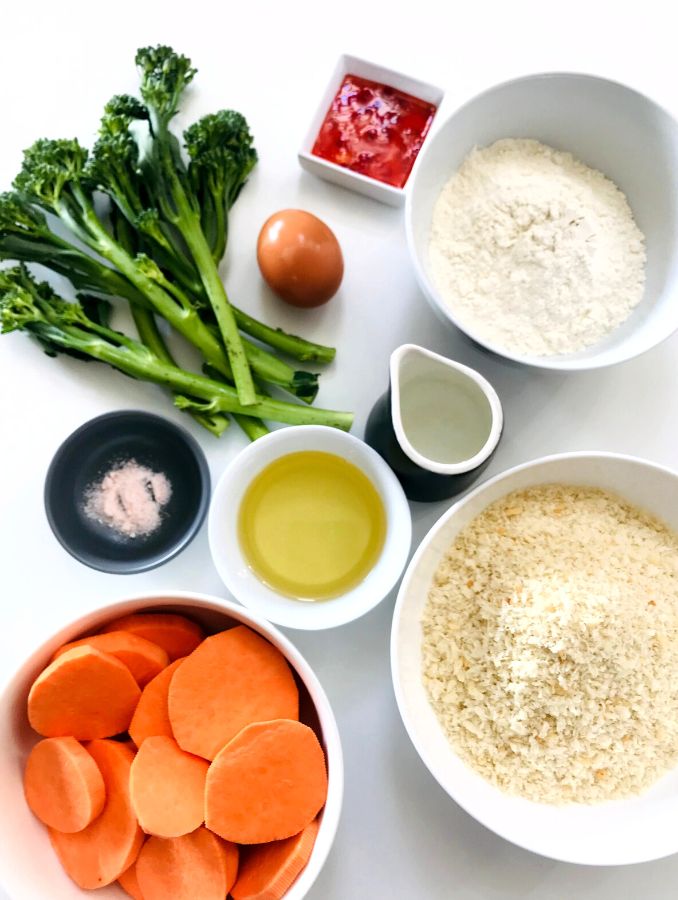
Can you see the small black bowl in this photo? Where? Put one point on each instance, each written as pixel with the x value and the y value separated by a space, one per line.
pixel 85 457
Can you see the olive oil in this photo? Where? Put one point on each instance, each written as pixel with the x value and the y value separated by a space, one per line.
pixel 311 525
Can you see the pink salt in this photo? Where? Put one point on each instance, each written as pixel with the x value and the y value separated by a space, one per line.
pixel 129 499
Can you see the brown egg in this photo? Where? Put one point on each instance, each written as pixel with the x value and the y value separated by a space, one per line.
pixel 300 258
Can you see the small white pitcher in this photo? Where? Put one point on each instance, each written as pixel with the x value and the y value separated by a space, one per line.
pixel 438 424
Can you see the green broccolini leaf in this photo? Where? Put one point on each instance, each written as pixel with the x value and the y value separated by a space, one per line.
pixel 96 309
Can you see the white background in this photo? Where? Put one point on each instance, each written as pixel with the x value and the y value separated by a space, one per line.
pixel 400 835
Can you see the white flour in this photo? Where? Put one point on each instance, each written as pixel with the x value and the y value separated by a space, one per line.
pixel 535 251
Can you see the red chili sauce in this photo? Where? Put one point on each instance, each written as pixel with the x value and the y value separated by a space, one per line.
pixel 374 129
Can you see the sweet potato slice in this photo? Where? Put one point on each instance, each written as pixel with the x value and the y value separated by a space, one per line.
pixel 197 865
pixel 100 853
pixel 177 635
pixel 267 871
pixel 129 882
pixel 63 784
pixel 143 658
pixel 167 786
pixel 151 717
pixel 85 694
pixel 233 679
pixel 267 784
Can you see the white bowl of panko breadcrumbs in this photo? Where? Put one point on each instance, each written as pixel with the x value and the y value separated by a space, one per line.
pixel 535 656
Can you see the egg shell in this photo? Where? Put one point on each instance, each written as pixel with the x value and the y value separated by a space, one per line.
pixel 300 258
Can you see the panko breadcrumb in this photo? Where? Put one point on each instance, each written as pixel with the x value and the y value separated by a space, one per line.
pixel 550 645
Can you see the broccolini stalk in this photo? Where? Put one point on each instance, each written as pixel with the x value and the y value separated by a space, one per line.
pixel 164 75
pixel 58 325
pixel 253 428
pixel 291 344
pixel 268 367
pixel 146 326
pixel 25 236
pixel 113 167
pixel 57 176
pixel 53 176
pixel 221 158
pixel 148 331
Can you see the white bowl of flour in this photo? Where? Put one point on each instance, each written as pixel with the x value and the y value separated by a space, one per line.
pixel 542 221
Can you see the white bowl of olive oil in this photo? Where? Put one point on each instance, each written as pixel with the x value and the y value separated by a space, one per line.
pixel 309 527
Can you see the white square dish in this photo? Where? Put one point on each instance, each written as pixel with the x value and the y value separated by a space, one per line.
pixel 355 181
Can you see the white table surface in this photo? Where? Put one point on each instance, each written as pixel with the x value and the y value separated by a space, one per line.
pixel 400 835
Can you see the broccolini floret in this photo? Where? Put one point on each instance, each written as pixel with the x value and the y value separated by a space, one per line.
pixel 221 158
pixel 26 305
pixel 164 76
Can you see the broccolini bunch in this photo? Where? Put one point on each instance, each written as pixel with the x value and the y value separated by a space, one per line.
pixel 157 245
